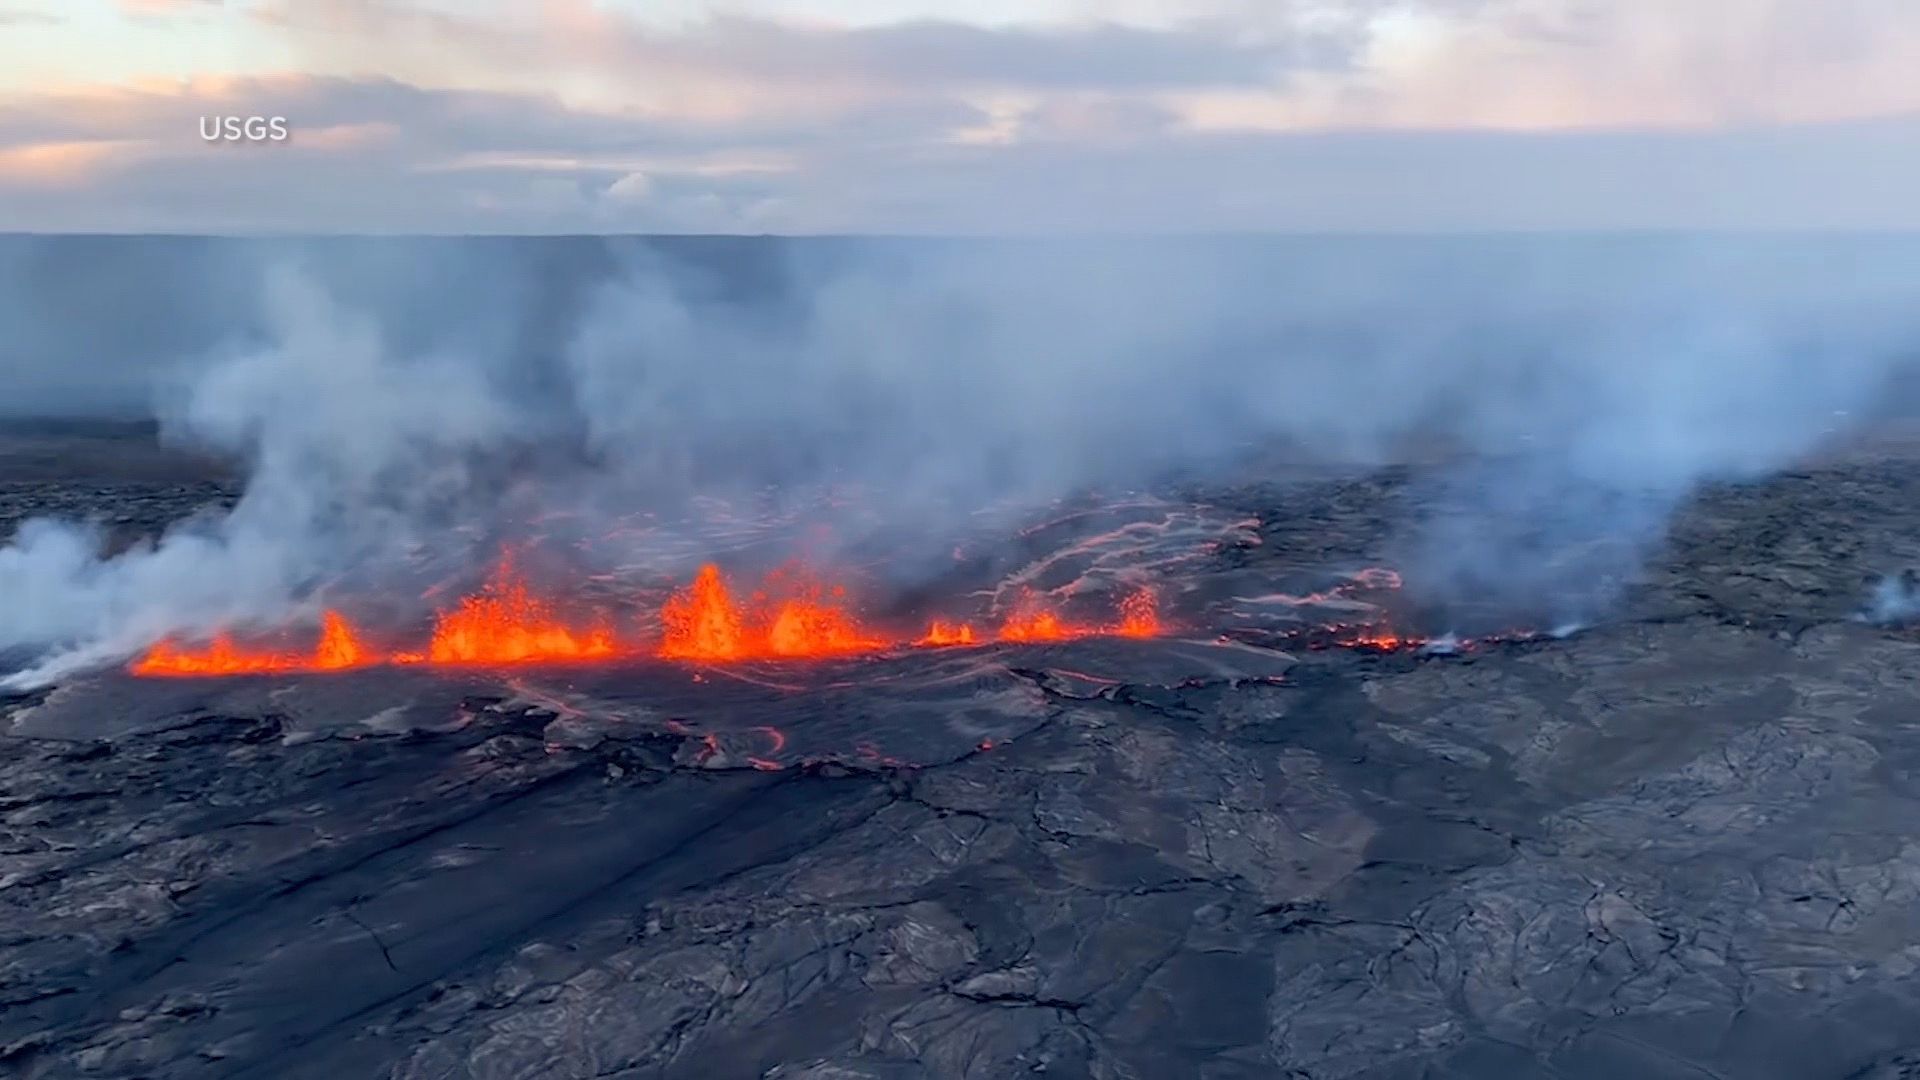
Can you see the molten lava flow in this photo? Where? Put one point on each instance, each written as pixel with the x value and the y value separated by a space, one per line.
pixel 946 634
pixel 505 623
pixel 791 616
pixel 339 649
pixel 702 622
pixel 220 657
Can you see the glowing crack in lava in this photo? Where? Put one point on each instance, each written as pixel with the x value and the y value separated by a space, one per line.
pixel 1382 638
pixel 1378 639
pixel 791 616
pixel 339 648
pixel 505 623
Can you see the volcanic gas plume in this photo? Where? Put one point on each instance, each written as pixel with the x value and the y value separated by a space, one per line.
pixel 1573 396
pixel 792 614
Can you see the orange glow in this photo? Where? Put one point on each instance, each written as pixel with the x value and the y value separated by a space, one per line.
pixel 702 622
pixel 1140 615
pixel 1384 639
pixel 339 646
pixel 59 163
pixel 339 649
pixel 505 623
pixel 220 657
pixel 792 616
pixel 1037 626
pixel 946 634
pixel 1366 637
pixel 814 624
pixel 1034 620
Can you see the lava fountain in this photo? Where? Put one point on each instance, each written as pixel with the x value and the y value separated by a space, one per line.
pixel 339 649
pixel 792 615
pixel 507 623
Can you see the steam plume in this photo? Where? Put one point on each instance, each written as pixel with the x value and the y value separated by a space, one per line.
pixel 406 402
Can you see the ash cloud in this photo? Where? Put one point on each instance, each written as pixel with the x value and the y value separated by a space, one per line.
pixel 406 404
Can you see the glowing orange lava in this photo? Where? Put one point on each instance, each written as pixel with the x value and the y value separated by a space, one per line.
pixel 1385 640
pixel 942 634
pixel 339 649
pixel 1140 615
pixel 790 616
pixel 702 621
pixel 1034 620
pixel 506 623
pixel 339 646
pixel 812 627
pixel 1366 637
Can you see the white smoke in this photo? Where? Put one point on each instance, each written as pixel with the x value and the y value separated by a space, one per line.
pixel 1896 599
pixel 401 397
pixel 348 450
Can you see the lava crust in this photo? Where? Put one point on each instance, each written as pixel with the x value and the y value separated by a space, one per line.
pixel 1676 844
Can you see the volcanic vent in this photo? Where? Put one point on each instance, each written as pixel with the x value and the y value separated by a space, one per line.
pixel 791 615
pixel 1139 568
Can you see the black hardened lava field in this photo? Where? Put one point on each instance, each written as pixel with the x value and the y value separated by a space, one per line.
pixel 959 540
pixel 1293 831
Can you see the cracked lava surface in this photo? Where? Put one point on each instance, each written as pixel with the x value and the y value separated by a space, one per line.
pixel 1678 844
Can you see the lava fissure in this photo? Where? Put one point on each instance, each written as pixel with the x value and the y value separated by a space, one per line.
pixel 507 622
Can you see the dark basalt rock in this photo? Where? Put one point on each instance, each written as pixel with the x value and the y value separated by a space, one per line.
pixel 1682 843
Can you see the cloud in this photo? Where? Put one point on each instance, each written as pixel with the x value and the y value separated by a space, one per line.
pixel 374 156
pixel 56 163
pixel 635 187
pixel 446 118
pixel 1103 56
pixel 1414 114
pixel 1558 63
pixel 151 9
pixel 387 157
pixel 571 35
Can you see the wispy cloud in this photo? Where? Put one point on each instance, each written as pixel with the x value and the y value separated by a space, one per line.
pixel 1210 113
pixel 19 16
pixel 167 7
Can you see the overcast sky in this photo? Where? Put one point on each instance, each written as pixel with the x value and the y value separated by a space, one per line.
pixel 961 116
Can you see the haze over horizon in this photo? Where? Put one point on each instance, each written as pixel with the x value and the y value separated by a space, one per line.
pixel 951 117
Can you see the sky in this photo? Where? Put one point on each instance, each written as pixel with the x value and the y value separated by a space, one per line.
pixel 961 116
